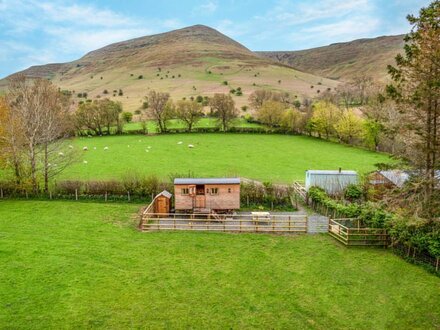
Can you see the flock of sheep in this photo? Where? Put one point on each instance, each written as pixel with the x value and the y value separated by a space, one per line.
pixel 85 148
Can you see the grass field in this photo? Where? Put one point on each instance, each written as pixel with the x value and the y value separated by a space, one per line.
pixel 83 265
pixel 277 158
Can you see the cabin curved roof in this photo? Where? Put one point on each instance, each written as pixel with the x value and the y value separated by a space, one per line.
pixel 207 181
pixel 331 172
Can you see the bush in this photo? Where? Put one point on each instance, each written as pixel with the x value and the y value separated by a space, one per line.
pixel 127 117
pixel 102 187
pixel 353 192
pixel 68 187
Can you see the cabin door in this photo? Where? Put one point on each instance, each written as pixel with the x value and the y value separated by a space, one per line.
pixel 161 205
pixel 200 197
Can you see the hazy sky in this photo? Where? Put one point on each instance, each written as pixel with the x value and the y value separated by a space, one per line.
pixel 39 32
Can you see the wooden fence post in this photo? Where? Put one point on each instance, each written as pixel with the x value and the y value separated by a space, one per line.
pixel 50 194
pixel 128 194
pixel 76 194
pixel 1 193
pixel 106 196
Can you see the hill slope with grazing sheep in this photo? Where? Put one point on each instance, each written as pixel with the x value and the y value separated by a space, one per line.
pixel 193 61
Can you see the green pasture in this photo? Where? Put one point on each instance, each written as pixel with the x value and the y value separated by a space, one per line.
pixel 73 265
pixel 276 158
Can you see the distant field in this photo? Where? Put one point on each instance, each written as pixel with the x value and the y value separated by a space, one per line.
pixel 175 123
pixel 277 158
pixel 72 265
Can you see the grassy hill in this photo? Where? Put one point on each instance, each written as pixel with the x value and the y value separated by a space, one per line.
pixel 187 62
pixel 73 265
pixel 342 61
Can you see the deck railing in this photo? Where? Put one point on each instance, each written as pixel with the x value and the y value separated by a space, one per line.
pixel 225 223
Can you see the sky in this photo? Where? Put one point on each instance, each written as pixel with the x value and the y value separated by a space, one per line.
pixel 36 32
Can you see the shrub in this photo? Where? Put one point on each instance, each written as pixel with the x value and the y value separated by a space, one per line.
pixel 140 77
pixel 225 83
pixel 353 192
pixel 68 187
pixel 111 187
pixel 127 117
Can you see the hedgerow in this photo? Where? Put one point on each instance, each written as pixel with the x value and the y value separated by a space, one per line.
pixel 419 234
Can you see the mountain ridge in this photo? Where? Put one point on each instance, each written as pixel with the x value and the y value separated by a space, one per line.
pixel 193 61
pixel 344 60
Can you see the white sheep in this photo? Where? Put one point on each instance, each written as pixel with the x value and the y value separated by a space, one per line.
pixel 85 162
pixel 105 148
pixel 190 146
pixel 146 150
pixel 149 147
pixel 85 148
pixel 70 147
pixel 180 142
pixel 61 153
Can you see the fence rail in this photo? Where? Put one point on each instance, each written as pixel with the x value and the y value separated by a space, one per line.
pixel 357 236
pixel 225 223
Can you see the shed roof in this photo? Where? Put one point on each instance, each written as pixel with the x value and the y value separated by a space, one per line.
pixel 331 172
pixel 397 177
pixel 207 181
pixel 165 193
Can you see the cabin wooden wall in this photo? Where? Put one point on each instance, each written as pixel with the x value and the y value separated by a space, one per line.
pixel 225 200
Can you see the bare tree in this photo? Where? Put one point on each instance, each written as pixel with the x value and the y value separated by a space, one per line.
pixel 42 113
pixel 258 97
pixel 224 108
pixel 189 112
pixel 160 109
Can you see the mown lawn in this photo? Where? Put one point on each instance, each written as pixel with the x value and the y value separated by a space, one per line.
pixel 277 158
pixel 70 265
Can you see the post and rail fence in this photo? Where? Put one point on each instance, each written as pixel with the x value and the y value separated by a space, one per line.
pixel 282 224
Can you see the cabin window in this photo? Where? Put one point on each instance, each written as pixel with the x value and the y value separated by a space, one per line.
pixel 214 191
pixel 185 191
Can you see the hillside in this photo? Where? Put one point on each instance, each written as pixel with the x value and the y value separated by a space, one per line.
pixel 187 62
pixel 342 61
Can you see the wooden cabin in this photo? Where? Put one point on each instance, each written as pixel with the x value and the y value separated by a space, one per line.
pixel 333 182
pixel 207 195
pixel 162 202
